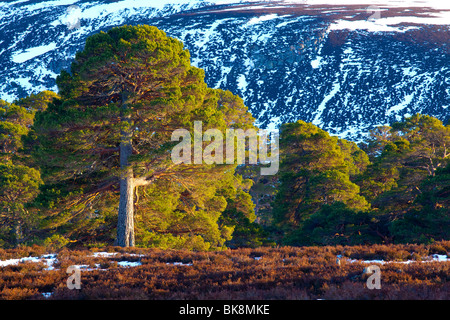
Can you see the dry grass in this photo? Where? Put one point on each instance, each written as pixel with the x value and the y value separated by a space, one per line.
pixel 264 273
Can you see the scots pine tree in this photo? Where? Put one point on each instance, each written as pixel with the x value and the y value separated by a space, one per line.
pixel 315 170
pixel 406 154
pixel 106 143
pixel 19 179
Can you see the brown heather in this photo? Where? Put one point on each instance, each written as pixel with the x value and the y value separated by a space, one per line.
pixel 278 273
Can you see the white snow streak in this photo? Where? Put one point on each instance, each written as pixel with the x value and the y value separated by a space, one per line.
pixel 334 90
pixel 30 53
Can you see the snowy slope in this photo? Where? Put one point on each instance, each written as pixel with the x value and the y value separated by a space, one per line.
pixel 344 65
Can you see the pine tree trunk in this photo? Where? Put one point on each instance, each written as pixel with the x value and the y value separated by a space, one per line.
pixel 17 233
pixel 125 224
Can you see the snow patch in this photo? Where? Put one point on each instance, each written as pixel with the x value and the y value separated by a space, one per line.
pixel 127 264
pixel 260 19
pixel 316 62
pixel 104 254
pixel 433 258
pixel 401 105
pixel 409 72
pixel 369 25
pixel 48 259
pixel 179 264
pixel 30 53
pixel 51 259
pixel 274 124
pixel 242 83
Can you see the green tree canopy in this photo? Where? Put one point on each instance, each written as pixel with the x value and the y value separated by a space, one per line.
pixel 315 171
pixel 19 179
pixel 407 153
pixel 107 141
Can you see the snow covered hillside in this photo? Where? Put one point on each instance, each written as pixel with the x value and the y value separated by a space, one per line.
pixel 345 65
